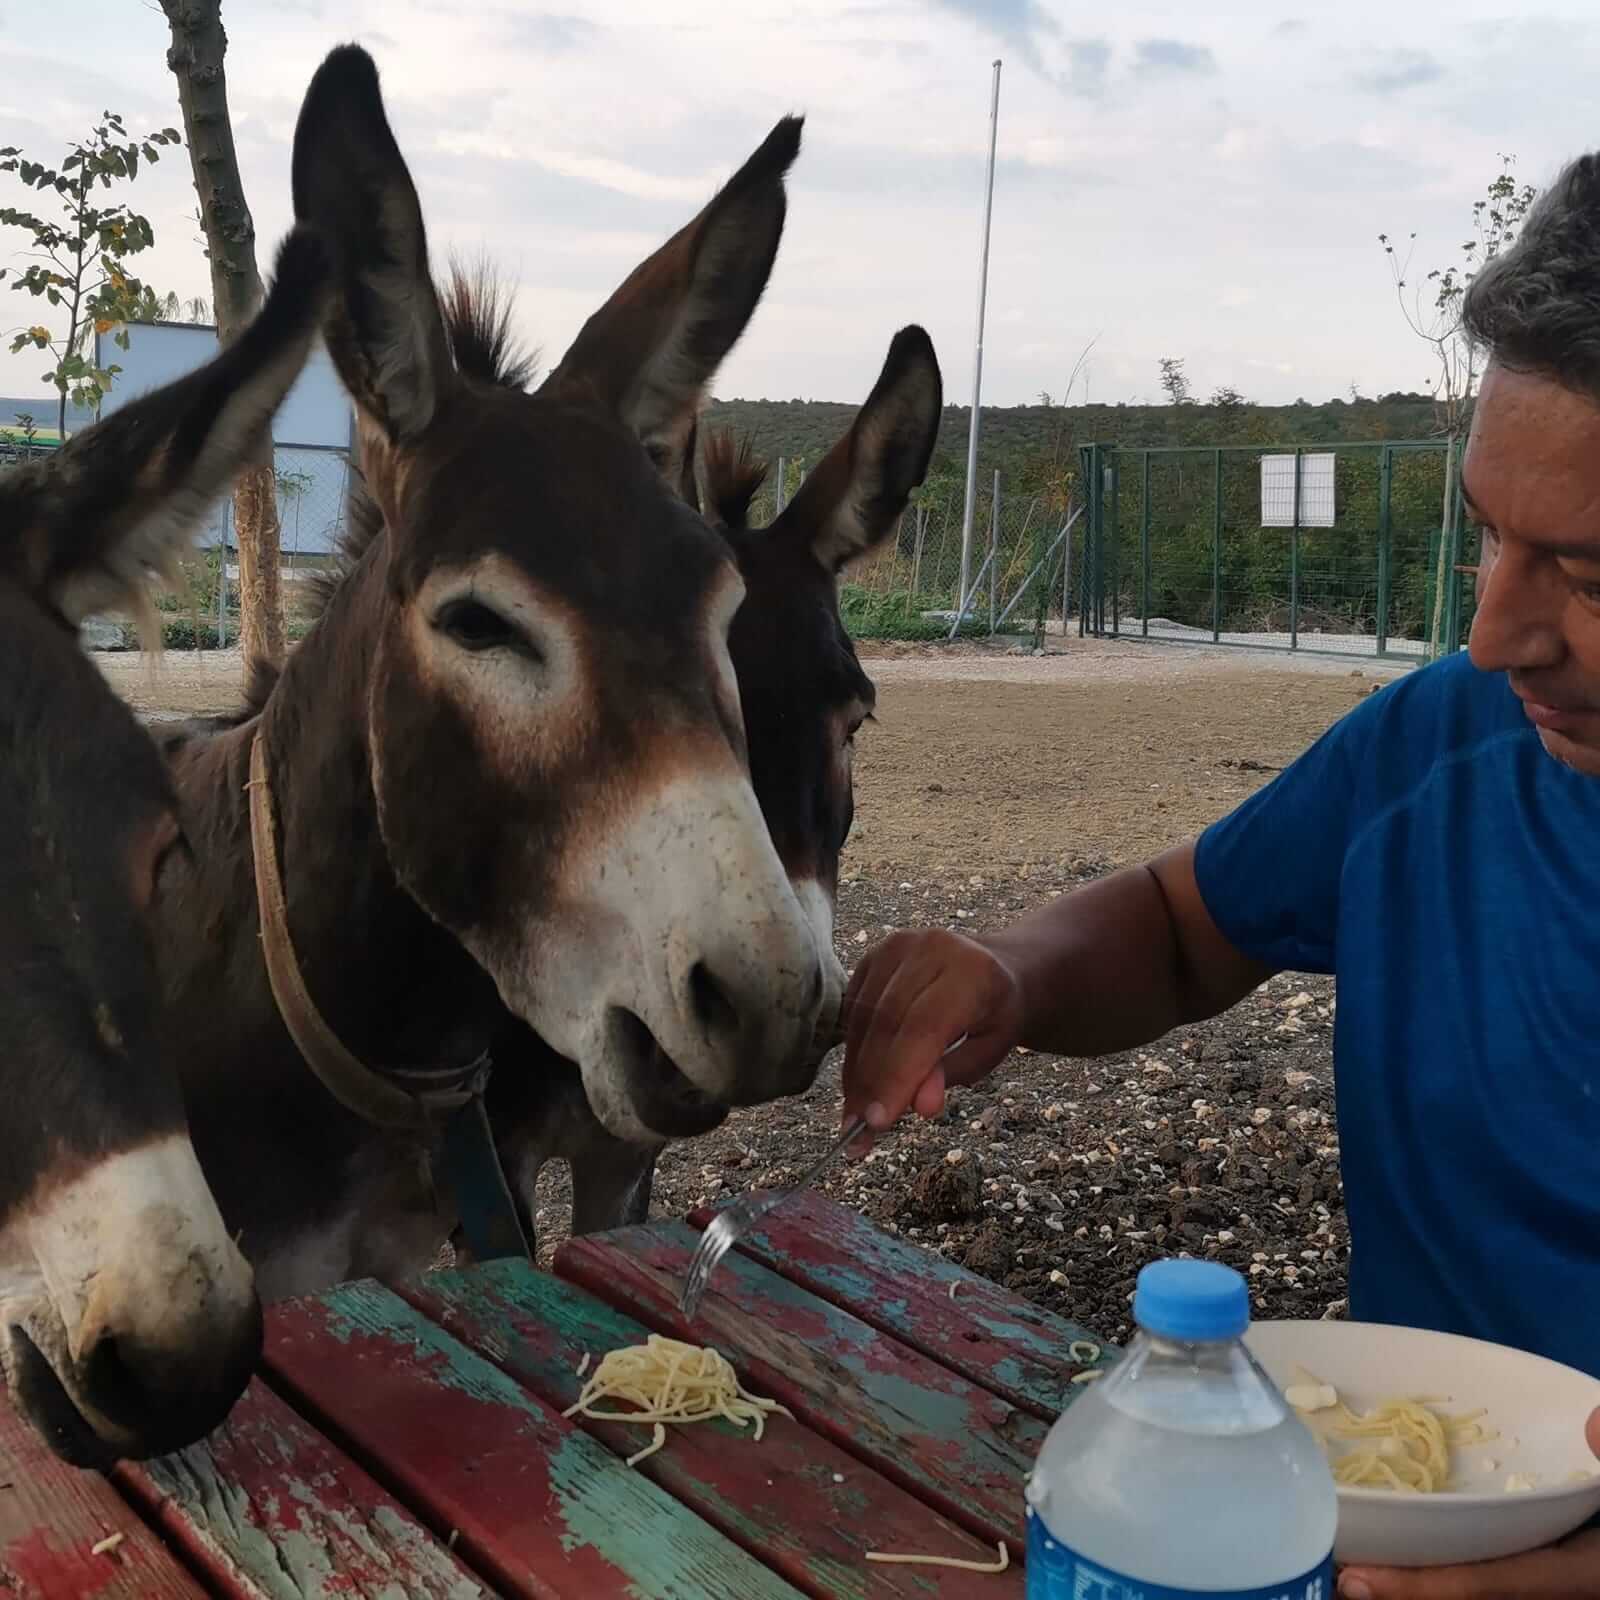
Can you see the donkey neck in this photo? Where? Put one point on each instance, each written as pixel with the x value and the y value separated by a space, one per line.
pixel 395 986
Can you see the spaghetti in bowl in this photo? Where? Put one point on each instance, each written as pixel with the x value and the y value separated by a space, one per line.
pixel 1452 1450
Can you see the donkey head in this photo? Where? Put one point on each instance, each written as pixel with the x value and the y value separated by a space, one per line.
pixel 804 695
pixel 128 1319
pixel 553 724
pixel 804 692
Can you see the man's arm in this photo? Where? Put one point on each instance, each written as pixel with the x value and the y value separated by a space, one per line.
pixel 1108 967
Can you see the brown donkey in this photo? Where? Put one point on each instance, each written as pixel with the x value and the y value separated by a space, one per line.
pixel 805 696
pixel 507 769
pixel 129 1322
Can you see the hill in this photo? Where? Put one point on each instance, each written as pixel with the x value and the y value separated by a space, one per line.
pixel 1022 441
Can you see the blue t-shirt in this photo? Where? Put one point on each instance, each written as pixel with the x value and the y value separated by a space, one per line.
pixel 1428 852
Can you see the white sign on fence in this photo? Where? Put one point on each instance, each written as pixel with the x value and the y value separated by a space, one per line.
pixel 1316 490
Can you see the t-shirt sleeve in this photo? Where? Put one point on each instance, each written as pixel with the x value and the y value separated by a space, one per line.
pixel 1269 871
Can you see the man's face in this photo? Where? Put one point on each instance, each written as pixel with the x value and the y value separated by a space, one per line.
pixel 1532 480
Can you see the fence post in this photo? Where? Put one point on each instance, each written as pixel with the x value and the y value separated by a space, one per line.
pixel 1294 560
pixel 222 594
pixel 1114 472
pixel 1144 548
pixel 916 560
pixel 778 497
pixel 1216 547
pixel 1458 528
pixel 1093 570
pixel 1066 577
pixel 994 544
pixel 1385 476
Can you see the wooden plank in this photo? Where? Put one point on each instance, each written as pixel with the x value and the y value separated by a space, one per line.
pixel 947 1440
pixel 267 1508
pixel 984 1332
pixel 51 1518
pixel 541 1507
pixel 795 1500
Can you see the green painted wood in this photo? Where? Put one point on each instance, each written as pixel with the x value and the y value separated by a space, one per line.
pixel 268 1508
pixel 954 1444
pixel 799 1502
pixel 538 1505
pixel 986 1333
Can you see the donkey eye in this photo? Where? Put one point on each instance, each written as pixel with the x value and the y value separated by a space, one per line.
pixel 475 626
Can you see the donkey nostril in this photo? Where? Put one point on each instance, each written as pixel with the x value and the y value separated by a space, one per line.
pixel 113 1385
pixel 716 1012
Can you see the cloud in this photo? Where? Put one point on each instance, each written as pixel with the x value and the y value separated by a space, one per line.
pixel 1290 27
pixel 1400 70
pixel 550 34
pixel 1088 61
pixel 1173 55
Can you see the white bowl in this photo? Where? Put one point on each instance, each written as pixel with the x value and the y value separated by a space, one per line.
pixel 1537 1407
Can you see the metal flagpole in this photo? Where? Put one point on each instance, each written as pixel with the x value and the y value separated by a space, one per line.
pixel 977 360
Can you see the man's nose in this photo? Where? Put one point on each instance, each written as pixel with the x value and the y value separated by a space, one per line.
pixel 1518 622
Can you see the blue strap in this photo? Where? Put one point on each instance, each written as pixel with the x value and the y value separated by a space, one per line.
pixel 474 1183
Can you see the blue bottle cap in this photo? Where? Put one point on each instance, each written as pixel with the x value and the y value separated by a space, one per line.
pixel 1191 1302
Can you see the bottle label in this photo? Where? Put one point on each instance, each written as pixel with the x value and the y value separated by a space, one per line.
pixel 1056 1573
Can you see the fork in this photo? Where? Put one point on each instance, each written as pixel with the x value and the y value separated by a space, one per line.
pixel 726 1228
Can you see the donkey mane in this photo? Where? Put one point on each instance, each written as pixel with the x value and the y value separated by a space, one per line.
pixel 733 474
pixel 477 321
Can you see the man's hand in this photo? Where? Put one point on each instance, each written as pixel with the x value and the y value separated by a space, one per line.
pixel 912 998
pixel 1568 1571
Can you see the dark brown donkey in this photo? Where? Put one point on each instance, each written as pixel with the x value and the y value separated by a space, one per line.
pixel 805 696
pixel 507 769
pixel 129 1322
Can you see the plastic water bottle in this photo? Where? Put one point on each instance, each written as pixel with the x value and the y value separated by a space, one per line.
pixel 1182 1471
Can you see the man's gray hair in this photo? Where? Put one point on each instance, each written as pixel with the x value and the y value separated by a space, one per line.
pixel 1536 307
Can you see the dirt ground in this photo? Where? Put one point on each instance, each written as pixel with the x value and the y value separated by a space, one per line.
pixel 991 781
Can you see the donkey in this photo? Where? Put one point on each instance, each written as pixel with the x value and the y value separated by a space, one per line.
pixel 507 769
pixel 805 697
pixel 129 1322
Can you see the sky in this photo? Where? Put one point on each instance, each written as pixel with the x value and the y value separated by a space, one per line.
pixel 1207 183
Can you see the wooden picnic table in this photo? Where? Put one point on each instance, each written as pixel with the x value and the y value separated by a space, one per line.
pixel 408 1441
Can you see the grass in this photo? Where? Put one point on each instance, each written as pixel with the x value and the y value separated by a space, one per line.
pixel 897 614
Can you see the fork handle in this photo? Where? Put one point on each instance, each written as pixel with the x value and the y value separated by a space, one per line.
pixel 853 1130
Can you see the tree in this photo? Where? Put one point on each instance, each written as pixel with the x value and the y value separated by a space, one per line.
pixel 1174 380
pixel 1433 313
pixel 172 307
pixel 198 47
pixel 1226 398
pixel 79 263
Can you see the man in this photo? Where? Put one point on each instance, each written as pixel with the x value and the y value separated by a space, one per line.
pixel 1439 851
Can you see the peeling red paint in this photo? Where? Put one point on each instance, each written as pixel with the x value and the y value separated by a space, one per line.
pixel 988 1334
pixel 799 1502
pixel 953 1444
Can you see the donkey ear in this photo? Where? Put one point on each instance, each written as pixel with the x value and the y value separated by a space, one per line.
pixel 651 350
pixel 122 499
pixel 853 496
pixel 384 332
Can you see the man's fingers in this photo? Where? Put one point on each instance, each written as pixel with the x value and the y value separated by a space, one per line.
pixel 1569 1571
pixel 929 1098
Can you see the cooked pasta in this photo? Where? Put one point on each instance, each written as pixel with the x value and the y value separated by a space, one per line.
pixel 1402 1444
pixel 670 1381
pixel 957 1562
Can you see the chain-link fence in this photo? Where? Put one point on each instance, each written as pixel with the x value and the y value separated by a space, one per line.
pixel 911 585
pixel 1334 548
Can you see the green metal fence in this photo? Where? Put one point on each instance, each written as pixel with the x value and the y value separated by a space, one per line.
pixel 1357 549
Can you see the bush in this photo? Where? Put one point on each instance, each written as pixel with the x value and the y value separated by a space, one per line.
pixel 897 614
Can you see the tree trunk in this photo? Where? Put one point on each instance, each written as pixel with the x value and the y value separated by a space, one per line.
pixel 198 46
